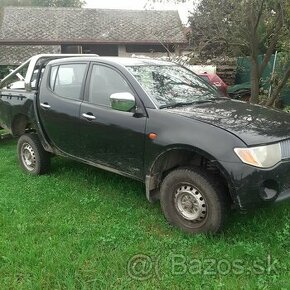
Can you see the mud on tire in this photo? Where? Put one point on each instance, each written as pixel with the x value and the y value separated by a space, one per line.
pixel 193 201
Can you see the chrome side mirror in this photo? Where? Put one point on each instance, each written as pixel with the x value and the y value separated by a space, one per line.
pixel 122 101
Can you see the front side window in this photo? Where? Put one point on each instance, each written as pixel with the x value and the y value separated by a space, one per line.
pixel 170 85
pixel 105 81
pixel 67 80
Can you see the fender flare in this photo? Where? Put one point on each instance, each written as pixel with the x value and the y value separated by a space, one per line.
pixel 150 180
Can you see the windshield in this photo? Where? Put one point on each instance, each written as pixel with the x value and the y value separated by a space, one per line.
pixel 172 85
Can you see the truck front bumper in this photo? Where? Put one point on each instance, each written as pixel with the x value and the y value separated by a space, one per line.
pixel 251 186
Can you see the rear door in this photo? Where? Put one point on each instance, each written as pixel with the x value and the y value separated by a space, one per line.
pixel 110 137
pixel 59 104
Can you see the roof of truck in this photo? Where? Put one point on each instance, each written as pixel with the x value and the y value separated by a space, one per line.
pixel 125 61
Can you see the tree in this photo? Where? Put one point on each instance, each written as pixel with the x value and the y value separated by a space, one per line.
pixel 215 29
pixel 46 3
pixel 260 12
pixel 245 27
pixel 155 4
pixel 284 48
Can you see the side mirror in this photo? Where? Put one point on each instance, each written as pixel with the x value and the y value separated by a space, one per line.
pixel 122 101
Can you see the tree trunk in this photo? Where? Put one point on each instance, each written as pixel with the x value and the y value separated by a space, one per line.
pixel 277 91
pixel 255 81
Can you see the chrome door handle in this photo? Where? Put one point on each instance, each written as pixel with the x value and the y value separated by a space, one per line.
pixel 89 117
pixel 45 105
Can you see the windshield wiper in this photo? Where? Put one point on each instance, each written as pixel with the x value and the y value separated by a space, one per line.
pixel 181 104
pixel 219 98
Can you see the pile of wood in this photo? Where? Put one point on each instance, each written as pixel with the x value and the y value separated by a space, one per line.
pixel 227 73
pixel 226 68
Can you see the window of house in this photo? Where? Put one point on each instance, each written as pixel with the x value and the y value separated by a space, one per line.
pixel 134 48
pixel 104 82
pixel 67 79
pixel 101 49
pixel 71 49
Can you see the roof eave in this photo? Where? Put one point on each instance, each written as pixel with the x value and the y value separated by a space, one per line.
pixel 85 41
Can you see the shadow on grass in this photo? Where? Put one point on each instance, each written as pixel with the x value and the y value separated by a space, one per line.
pixel 257 225
pixel 251 225
pixel 6 141
pixel 91 176
pixel 261 225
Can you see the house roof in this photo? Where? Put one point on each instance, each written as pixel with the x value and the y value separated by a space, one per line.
pixel 29 25
pixel 17 54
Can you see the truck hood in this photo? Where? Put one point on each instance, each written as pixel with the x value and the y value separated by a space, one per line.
pixel 253 124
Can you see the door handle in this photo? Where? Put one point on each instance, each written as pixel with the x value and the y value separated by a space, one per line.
pixel 89 116
pixel 45 105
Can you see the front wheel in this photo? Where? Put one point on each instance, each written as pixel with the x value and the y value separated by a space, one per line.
pixel 192 201
pixel 32 157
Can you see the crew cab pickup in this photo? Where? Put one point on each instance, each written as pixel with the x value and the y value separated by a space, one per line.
pixel 197 151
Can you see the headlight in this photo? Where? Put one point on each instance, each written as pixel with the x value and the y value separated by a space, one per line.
pixel 262 156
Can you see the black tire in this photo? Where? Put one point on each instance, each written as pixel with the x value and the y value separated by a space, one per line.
pixel 192 201
pixel 30 150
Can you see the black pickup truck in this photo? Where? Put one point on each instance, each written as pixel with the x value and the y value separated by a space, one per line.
pixel 197 152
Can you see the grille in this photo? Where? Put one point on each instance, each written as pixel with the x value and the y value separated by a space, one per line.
pixel 285 149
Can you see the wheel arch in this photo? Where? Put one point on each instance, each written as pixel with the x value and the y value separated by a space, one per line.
pixel 180 155
pixel 20 124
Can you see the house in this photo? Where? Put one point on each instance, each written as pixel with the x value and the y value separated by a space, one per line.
pixel 25 31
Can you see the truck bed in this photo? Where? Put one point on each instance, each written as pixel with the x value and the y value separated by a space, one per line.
pixel 14 105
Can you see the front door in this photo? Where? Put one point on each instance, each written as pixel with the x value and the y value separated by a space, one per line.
pixel 109 137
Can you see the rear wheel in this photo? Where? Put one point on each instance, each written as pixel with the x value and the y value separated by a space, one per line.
pixel 192 201
pixel 32 157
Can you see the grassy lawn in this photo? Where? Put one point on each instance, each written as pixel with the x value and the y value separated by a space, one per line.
pixel 83 228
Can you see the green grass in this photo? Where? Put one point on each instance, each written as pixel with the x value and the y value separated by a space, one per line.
pixel 79 227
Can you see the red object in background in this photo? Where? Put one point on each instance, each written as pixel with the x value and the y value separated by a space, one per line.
pixel 215 80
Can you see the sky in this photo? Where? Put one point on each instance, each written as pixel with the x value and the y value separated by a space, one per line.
pixel 141 4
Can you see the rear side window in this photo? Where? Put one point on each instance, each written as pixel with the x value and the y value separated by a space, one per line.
pixel 66 80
